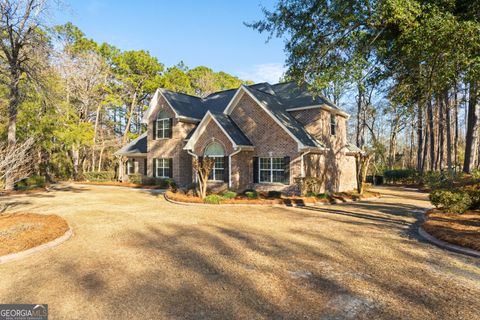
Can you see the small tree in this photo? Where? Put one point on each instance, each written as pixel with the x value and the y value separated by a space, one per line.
pixel 363 161
pixel 203 167
pixel 15 161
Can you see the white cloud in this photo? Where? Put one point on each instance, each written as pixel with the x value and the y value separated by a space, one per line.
pixel 266 72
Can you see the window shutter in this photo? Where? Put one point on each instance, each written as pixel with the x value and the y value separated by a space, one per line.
pixel 145 166
pixel 133 166
pixel 255 169
pixel 126 167
pixel 154 167
pixel 170 166
pixel 154 133
pixel 226 171
pixel 286 168
pixel 170 128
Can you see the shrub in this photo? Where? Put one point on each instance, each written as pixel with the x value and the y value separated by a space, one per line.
pixel 400 176
pixel 135 178
pixel 213 199
pixel 454 201
pixel 476 174
pixel 162 183
pixel 274 194
pixel 31 183
pixel 437 180
pixel 251 194
pixel 99 176
pixel 229 195
pixel 474 195
pixel 322 195
pixel 309 184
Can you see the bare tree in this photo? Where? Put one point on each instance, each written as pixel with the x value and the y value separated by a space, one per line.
pixel 16 161
pixel 19 37
pixel 203 167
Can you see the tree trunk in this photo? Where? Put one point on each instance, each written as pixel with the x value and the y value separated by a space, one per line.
pixel 471 138
pixel 419 137
pixel 13 101
pixel 448 123
pixel 432 134
pixel 441 129
pixel 95 132
pixel 455 145
pixel 76 161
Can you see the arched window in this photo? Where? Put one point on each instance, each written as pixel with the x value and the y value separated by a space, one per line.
pixel 215 150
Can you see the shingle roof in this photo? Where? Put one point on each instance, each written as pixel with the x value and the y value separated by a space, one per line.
pixel 138 145
pixel 277 108
pixel 232 129
pixel 276 98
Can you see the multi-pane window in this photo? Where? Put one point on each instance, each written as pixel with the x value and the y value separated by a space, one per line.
pixel 272 170
pixel 163 168
pixel 218 170
pixel 163 128
pixel 130 166
pixel 333 124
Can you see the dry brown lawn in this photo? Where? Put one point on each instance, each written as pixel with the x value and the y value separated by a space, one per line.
pixel 461 229
pixel 23 231
pixel 134 255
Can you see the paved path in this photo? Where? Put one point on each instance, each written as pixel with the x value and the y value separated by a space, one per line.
pixel 134 255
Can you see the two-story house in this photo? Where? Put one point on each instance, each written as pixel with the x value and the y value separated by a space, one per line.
pixel 261 136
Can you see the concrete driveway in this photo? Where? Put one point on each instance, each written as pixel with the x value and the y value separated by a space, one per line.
pixel 134 255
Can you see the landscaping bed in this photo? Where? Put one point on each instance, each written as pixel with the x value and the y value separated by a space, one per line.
pixel 460 229
pixel 268 198
pixel 22 231
pixel 121 184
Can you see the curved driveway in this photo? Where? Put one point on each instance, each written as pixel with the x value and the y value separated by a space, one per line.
pixel 134 255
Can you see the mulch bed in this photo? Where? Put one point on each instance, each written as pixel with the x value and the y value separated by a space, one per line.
pixel 460 229
pixel 22 231
pixel 287 200
pixel 119 184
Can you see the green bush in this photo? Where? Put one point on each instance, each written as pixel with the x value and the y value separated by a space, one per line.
pixel 454 201
pixel 322 195
pixel 476 174
pixel 161 182
pixel 400 176
pixel 251 194
pixel 475 197
pixel 213 199
pixel 99 176
pixel 135 178
pixel 229 195
pixel 274 194
pixel 437 180
pixel 31 183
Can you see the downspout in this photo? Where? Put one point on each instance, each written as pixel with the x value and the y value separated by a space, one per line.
pixel 196 157
pixel 230 166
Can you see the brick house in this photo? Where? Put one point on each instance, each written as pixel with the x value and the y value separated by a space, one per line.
pixel 261 136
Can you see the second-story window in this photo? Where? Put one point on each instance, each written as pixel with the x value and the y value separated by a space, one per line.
pixel 163 126
pixel 333 124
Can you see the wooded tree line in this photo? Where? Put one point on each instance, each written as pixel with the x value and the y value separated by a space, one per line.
pixel 67 103
pixel 409 70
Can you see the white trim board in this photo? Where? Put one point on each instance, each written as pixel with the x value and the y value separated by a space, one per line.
pixel 238 95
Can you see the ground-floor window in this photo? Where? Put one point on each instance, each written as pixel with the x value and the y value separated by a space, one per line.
pixel 130 166
pixel 272 170
pixel 218 170
pixel 163 167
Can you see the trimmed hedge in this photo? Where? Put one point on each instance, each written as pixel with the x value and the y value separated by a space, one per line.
pixel 400 176
pixel 274 194
pixel 99 176
pixel 251 194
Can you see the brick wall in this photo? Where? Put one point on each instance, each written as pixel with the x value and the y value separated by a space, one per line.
pixel 172 147
pixel 269 139
pixel 212 133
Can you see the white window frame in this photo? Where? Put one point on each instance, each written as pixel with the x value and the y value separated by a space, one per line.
pixel 164 131
pixel 270 169
pixel 333 124
pixel 214 169
pixel 130 166
pixel 165 165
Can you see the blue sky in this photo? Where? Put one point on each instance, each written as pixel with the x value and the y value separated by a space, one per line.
pixel 209 33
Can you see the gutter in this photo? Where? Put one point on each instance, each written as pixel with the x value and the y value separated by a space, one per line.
pixel 196 157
